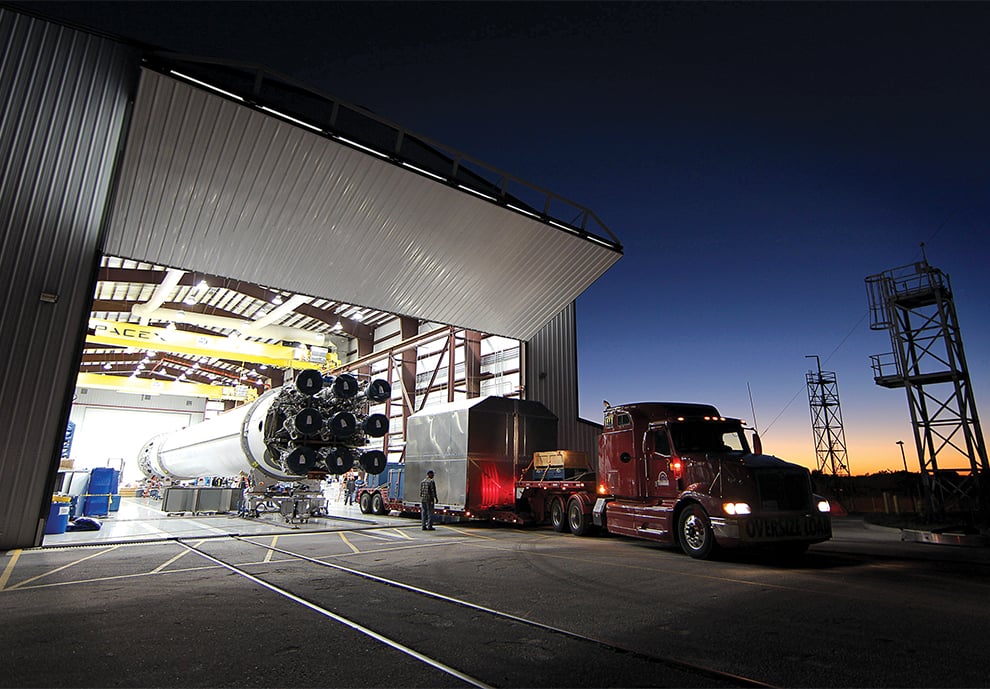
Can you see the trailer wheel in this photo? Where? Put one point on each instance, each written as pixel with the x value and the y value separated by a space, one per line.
pixel 377 504
pixel 558 518
pixel 577 519
pixel 694 531
pixel 365 503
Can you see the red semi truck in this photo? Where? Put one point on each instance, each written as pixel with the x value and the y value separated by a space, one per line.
pixel 675 473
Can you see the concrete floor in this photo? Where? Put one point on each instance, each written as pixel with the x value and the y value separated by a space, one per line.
pixel 110 608
pixel 141 519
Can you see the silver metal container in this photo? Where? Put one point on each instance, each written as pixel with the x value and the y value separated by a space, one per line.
pixel 477 449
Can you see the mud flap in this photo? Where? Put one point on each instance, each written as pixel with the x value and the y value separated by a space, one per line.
pixel 598 511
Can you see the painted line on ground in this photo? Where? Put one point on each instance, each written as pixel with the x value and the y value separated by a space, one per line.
pixel 59 569
pixel 9 569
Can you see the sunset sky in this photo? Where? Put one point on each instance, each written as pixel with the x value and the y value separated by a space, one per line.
pixel 758 161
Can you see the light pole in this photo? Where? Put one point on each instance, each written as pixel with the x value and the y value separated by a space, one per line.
pixel 907 477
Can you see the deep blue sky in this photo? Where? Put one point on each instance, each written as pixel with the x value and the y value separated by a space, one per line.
pixel 758 161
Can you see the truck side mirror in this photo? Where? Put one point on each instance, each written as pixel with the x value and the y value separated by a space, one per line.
pixel 757 444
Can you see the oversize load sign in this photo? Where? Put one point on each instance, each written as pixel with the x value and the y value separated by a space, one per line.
pixel 783 528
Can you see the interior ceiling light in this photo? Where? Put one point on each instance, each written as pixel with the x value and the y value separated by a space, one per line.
pixel 170 326
pixel 196 293
pixel 107 366
pixel 338 326
pixel 277 299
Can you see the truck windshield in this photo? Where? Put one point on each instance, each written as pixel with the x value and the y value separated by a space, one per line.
pixel 707 436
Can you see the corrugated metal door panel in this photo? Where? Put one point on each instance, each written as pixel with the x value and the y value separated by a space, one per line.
pixel 66 96
pixel 551 378
pixel 211 185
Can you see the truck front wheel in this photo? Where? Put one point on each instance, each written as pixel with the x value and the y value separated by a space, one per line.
pixel 577 519
pixel 557 517
pixel 694 531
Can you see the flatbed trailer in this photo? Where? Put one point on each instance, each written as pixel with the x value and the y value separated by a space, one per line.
pixel 674 473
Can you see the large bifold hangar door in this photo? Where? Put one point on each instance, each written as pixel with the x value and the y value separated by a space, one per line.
pixel 212 184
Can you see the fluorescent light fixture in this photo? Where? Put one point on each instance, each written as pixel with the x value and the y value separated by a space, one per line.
pixel 362 147
pixel 205 85
pixel 523 211
pixel 424 172
pixel 596 240
pixel 107 366
pixel 564 227
pixel 476 193
pixel 292 119
pixel 277 299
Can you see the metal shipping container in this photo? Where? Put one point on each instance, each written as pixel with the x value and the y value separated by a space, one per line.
pixel 477 449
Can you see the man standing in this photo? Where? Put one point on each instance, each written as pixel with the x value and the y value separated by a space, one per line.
pixel 350 487
pixel 428 498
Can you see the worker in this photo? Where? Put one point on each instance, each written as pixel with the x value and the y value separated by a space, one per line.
pixel 428 498
pixel 350 486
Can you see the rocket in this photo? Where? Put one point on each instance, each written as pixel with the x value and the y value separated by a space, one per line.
pixel 314 423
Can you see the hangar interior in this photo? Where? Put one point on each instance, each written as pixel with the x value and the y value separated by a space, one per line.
pixel 249 227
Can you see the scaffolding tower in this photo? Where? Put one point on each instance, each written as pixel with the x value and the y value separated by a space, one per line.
pixel 914 303
pixel 826 422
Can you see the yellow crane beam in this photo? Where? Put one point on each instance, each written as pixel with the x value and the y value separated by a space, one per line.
pixel 148 386
pixel 231 349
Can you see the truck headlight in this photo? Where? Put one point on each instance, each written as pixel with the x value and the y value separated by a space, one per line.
pixel 823 506
pixel 734 508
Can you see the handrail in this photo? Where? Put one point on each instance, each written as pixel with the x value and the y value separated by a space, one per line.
pixel 445 164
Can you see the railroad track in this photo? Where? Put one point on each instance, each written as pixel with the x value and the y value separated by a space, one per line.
pixel 474 644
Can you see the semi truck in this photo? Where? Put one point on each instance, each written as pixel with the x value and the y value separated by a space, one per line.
pixel 675 473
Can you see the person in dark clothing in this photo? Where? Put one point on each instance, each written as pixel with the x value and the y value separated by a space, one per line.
pixel 428 499
pixel 350 488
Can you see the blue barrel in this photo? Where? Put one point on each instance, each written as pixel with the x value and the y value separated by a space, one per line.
pixel 58 517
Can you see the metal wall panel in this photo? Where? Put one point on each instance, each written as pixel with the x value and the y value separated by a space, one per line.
pixel 62 114
pixel 211 185
pixel 552 378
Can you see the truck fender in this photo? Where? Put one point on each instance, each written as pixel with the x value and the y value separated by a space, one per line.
pixel 584 500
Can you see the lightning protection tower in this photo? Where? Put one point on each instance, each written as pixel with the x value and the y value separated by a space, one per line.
pixel 826 422
pixel 914 303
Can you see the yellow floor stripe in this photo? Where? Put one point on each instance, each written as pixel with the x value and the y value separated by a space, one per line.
pixel 268 556
pixel 468 533
pixel 348 543
pixel 165 564
pixel 59 569
pixel 8 570
pixel 402 534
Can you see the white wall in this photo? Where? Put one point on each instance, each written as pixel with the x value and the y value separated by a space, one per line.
pixel 113 426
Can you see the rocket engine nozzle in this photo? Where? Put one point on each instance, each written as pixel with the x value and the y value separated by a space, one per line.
pixel 311 424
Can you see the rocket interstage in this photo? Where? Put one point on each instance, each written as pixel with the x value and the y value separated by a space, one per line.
pixel 311 424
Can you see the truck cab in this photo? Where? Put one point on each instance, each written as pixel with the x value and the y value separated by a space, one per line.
pixel 683 474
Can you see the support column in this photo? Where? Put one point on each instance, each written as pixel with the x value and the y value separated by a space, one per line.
pixel 472 363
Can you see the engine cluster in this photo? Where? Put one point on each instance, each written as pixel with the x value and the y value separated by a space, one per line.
pixel 319 423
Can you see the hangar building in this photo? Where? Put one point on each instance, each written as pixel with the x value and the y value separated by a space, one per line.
pixel 264 226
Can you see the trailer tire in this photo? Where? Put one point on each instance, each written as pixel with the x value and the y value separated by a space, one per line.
pixel 577 519
pixel 694 532
pixel 365 503
pixel 558 516
pixel 377 504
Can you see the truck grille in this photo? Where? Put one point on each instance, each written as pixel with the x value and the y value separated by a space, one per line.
pixel 783 491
